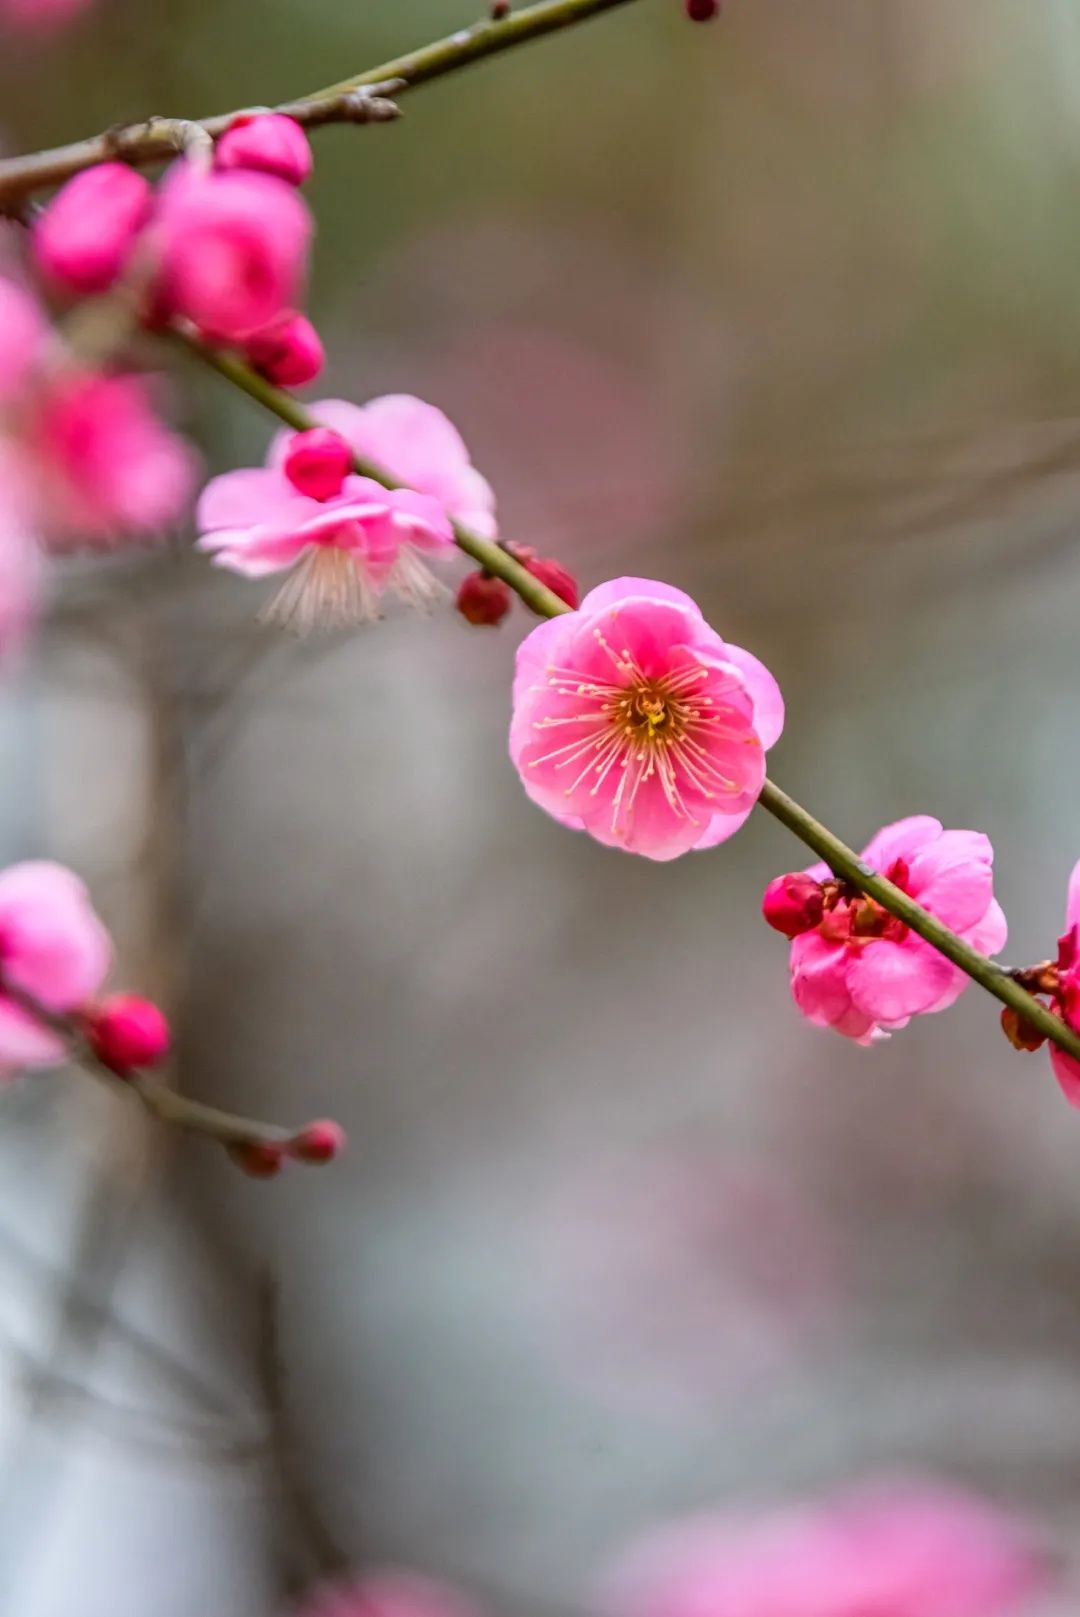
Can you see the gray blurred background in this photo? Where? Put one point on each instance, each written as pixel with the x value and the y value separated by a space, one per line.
pixel 787 312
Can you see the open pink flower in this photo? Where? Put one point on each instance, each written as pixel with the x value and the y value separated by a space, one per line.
pixel 887 1551
pixel 634 721
pixel 52 947
pixel 344 549
pixel 392 1592
pixel 863 973
pixel 109 465
pixel 418 445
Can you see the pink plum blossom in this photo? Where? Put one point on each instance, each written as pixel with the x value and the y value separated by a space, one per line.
pixel 634 721
pixel 232 249
pixel 84 239
pixel 343 550
pixel 53 948
pixel 392 1592
pixel 863 973
pixel 109 466
pixel 913 1550
pixel 416 444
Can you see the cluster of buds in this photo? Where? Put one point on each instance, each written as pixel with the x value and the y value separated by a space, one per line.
pixel 221 244
pixel 315 1144
pixel 484 600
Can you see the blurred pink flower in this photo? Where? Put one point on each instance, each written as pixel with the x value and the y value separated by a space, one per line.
pixel 418 445
pixel 232 249
pixel 20 569
pixel 52 947
pixel 39 16
pixel 108 464
pixel 84 239
pixel 393 1592
pixel 666 725
pixel 345 549
pixel 863 973
pixel 915 1550
pixel 23 335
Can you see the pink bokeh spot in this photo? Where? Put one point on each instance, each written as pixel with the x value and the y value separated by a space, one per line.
pixel 865 974
pixel 634 721
pixel 54 948
pixel 894 1549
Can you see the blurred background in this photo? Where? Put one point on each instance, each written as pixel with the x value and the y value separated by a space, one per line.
pixel 785 311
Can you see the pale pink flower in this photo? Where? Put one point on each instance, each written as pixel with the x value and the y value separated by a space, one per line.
pixel 344 551
pixel 108 465
pixel 393 1592
pixel 634 721
pixel 416 444
pixel 23 335
pixel 888 1551
pixel 53 948
pixel 863 973
pixel 232 249
pixel 84 239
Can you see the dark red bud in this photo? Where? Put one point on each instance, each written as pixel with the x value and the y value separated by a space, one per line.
pixel 483 599
pixel 702 10
pixel 499 10
pixel 793 904
pixel 259 1159
pixel 550 573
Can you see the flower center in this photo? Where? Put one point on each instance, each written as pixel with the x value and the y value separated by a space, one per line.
pixel 646 728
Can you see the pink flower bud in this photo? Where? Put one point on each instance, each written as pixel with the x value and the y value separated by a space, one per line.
pixel 318 1142
pixel 483 599
pixel 233 249
pixel 269 142
pixel 287 351
pixel 702 10
pixel 318 462
pixel 126 1032
pixel 793 904
pixel 85 237
pixel 259 1159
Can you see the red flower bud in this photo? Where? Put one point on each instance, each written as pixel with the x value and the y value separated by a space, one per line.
pixel 288 351
pixel 126 1032
pixel 556 578
pixel 318 462
pixel 499 10
pixel 793 904
pixel 1019 1032
pixel 318 1142
pixel 483 599
pixel 702 10
pixel 259 1159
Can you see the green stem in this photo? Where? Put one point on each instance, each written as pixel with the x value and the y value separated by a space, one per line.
pixel 837 855
pixel 155 139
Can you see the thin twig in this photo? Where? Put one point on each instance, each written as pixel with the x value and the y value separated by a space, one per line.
pixel 155 139
pixel 842 859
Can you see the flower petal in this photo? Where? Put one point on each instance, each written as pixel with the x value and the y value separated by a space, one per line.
pixel 622 589
pixel 901 840
pixel 953 878
pixel 764 691
pixel 892 980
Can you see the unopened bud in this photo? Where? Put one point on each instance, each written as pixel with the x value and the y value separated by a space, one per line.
pixel 702 10
pixel 318 462
pixel 483 599
pixel 321 1141
pixel 793 904
pixel 288 351
pixel 126 1033
pixel 259 1159
pixel 552 574
pixel 270 142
